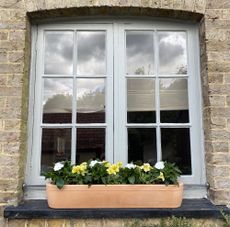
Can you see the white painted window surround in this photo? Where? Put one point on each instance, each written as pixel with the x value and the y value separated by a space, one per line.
pixel 116 95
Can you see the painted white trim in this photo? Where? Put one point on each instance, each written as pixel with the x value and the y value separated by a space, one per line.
pixel 116 123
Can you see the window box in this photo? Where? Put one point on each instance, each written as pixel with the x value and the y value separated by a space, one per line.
pixel 115 196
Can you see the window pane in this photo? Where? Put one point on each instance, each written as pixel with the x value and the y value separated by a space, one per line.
pixel 142 145
pixel 172 53
pixel 57 101
pixel 141 101
pixel 90 144
pixel 91 53
pixel 56 146
pixel 175 144
pixel 139 52
pixel 174 101
pixel 58 52
pixel 90 100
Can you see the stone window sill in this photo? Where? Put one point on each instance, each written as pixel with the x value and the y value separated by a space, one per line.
pixel 191 208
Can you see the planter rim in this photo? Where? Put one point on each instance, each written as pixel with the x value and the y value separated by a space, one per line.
pixel 117 186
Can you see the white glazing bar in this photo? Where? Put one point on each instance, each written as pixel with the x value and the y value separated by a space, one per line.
pixel 56 126
pixel 74 102
pixel 173 76
pixel 62 76
pixel 129 125
pixel 157 98
pixel 109 95
pixel 89 125
pixel 91 76
pixel 140 76
pixel 141 125
pixel 175 125
pixel 92 125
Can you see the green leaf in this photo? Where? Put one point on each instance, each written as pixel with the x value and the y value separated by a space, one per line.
pixel 131 179
pixel 60 183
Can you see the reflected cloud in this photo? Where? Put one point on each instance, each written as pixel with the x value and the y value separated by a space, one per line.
pixel 58 52
pixel 91 53
pixel 172 52
pixel 139 52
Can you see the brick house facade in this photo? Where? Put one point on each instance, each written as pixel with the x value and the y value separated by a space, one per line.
pixel 16 18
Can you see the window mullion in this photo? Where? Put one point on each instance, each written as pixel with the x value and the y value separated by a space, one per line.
pixel 74 102
pixel 157 97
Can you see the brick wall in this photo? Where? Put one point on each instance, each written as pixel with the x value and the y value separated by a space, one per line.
pixel 217 107
pixel 14 68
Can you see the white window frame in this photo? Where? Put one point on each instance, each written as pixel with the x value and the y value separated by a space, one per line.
pixel 116 126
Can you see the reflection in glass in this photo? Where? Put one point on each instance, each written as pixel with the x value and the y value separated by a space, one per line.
pixel 142 145
pixel 90 100
pixel 90 144
pixel 91 53
pixel 174 101
pixel 59 52
pixel 141 101
pixel 56 146
pixel 172 53
pixel 175 144
pixel 139 52
pixel 57 100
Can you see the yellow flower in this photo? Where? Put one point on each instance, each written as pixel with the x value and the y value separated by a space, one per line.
pixel 146 167
pixel 106 164
pixel 76 169
pixel 80 169
pixel 113 169
pixel 119 164
pixel 161 176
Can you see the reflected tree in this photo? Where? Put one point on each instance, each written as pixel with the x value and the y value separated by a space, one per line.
pixel 63 102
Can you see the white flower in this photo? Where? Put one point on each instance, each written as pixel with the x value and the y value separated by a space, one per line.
pixel 58 166
pixel 160 165
pixel 130 166
pixel 93 163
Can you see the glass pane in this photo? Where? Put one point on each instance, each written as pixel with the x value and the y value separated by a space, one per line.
pixel 90 100
pixel 141 101
pixel 90 144
pixel 174 101
pixel 175 144
pixel 172 53
pixel 142 145
pixel 57 101
pixel 56 146
pixel 58 52
pixel 91 53
pixel 139 53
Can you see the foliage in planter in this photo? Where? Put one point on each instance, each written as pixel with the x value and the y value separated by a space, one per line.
pixel 103 172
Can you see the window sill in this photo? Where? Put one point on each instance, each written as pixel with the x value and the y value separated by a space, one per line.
pixel 191 208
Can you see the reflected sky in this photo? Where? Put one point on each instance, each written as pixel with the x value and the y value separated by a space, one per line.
pixel 172 53
pixel 91 53
pixel 139 52
pixel 58 52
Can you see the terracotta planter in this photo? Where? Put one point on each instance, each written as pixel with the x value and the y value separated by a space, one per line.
pixel 115 196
